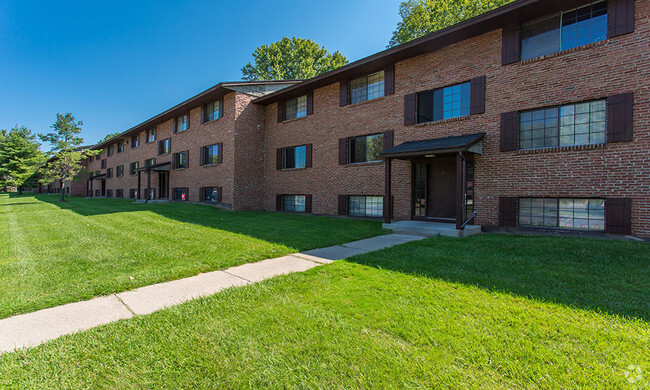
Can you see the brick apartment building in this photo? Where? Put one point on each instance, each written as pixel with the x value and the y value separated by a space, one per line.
pixel 536 115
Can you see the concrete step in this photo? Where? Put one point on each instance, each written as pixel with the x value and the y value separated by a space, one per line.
pixel 431 229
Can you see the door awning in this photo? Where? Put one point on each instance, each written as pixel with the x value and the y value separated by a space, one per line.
pixel 102 176
pixel 165 166
pixel 469 143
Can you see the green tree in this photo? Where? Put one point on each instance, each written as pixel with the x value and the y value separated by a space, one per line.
pixel 108 136
pixel 421 17
pixel 67 152
pixel 290 59
pixel 20 158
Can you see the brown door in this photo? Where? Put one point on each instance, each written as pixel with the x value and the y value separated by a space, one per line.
pixel 442 190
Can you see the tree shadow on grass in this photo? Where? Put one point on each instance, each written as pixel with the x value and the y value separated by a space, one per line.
pixel 297 231
pixel 608 276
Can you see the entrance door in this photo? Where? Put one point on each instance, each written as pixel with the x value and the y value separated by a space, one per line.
pixel 103 188
pixel 441 190
pixel 163 185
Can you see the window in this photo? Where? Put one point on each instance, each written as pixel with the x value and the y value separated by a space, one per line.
pixel 109 151
pixel 295 203
pixel 133 169
pixel 366 206
pixel 294 157
pixel 103 164
pixel 562 213
pixel 150 135
pixel 120 146
pixel 119 171
pixel 211 154
pixel 109 193
pixel 365 148
pixel 133 193
pixel 109 172
pixel 180 194
pixel 444 103
pixel 149 162
pixel 164 146
pixel 212 111
pixel 181 123
pixel 119 194
pixel 572 124
pixel 90 159
pixel 211 194
pixel 367 87
pixel 135 141
pixel 295 107
pixel 564 31
pixel 181 160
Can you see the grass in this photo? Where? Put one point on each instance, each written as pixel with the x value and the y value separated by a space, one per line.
pixel 53 253
pixel 440 313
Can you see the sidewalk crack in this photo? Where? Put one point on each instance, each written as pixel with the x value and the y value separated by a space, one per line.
pixel 125 305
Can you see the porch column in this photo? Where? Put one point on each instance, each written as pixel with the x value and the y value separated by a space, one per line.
pixel 92 191
pixel 388 205
pixel 460 189
pixel 138 194
pixel 148 185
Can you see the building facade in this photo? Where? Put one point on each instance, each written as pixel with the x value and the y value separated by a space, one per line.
pixel 534 115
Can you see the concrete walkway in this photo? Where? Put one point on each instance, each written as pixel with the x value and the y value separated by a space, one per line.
pixel 32 329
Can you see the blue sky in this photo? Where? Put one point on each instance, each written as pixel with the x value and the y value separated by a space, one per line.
pixel 114 64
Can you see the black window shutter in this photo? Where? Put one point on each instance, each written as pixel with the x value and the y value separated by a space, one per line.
pixel 219 194
pixel 620 117
pixel 477 95
pixel 310 102
pixel 507 211
pixel 202 157
pixel 280 113
pixel 343 151
pixel 388 139
pixel 308 203
pixel 618 215
pixel 343 93
pixel 509 131
pixel 221 107
pixel 510 52
pixel 308 155
pixel 620 17
pixel 278 159
pixel 187 159
pixel 220 156
pixel 174 161
pixel 278 202
pixel 343 205
pixel 409 109
pixel 389 80
pixel 203 114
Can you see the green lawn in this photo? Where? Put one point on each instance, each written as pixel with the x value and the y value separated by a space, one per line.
pixel 53 253
pixel 489 311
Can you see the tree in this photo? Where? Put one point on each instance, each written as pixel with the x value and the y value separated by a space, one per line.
pixel 67 153
pixel 109 136
pixel 421 17
pixel 291 59
pixel 20 158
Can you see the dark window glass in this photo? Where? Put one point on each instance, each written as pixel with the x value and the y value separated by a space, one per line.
pixel 164 146
pixel 119 171
pixel 134 168
pixel 365 148
pixel 211 194
pixel 180 194
pixel 180 160
pixel 182 123
pixel 571 124
pixel 98 193
pixel 149 162
pixel 444 103
pixel 135 141
pixel 212 111
pixel 133 193
pixel 103 164
pixel 420 190
pixel 109 172
pixel 562 213
pixel 109 152
pixel 150 135
pixel 366 206
pixel 294 157
pixel 367 87
pixel 119 194
pixel 109 193
pixel 295 203
pixel 295 107
pixel 120 146
pixel 211 154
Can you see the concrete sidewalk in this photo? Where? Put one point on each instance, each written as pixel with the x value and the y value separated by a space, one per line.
pixel 32 329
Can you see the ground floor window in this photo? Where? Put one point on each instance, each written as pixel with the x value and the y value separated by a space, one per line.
pixel 569 213
pixel 119 193
pixel 211 194
pixel 366 206
pixel 295 203
pixel 180 194
pixel 109 193
pixel 98 193
pixel 133 193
